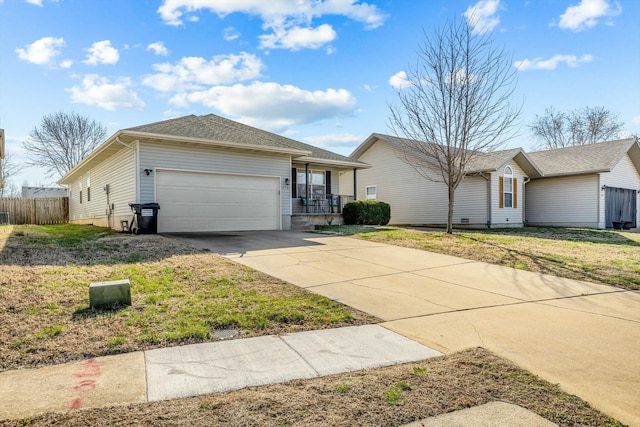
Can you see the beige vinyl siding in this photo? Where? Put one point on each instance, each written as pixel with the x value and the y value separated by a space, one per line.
pixel 471 201
pixel 118 172
pixel 564 201
pixel 623 175
pixel 211 159
pixel 413 199
pixel 508 217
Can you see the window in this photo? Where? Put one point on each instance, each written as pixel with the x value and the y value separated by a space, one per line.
pixel 371 191
pixel 318 183
pixel 508 189
pixel 88 187
pixel 80 185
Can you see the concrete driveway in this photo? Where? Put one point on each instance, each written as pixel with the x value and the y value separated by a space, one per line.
pixel 584 336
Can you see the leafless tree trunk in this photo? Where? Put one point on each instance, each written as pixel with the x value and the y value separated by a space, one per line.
pixel 557 129
pixel 455 105
pixel 62 140
pixel 8 169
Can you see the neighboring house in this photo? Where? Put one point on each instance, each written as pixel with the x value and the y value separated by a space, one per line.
pixel 586 186
pixel 41 192
pixel 1 155
pixel 207 173
pixel 490 193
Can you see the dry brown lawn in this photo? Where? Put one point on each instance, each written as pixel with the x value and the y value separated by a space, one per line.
pixel 600 256
pixel 383 397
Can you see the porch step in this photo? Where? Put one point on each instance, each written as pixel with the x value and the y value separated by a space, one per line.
pixel 301 223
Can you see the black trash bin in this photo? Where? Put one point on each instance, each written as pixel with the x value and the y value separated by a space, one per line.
pixel 146 218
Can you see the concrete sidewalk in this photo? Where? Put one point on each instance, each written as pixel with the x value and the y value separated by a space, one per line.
pixel 193 370
pixel 583 336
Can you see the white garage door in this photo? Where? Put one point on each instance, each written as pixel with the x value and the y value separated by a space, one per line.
pixel 192 201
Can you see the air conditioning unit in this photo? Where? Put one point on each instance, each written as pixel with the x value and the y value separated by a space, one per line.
pixel 4 218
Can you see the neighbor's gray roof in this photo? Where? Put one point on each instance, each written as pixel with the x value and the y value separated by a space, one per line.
pixel 215 128
pixel 482 162
pixel 582 159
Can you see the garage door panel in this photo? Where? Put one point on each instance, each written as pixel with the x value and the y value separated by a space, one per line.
pixel 191 201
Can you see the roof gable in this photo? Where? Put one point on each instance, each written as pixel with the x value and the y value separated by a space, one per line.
pixel 584 159
pixel 482 162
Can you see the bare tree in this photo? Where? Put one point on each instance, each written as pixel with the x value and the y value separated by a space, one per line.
pixel 62 140
pixel 455 104
pixel 557 129
pixel 8 169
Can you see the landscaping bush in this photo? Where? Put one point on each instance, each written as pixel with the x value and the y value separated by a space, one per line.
pixel 367 212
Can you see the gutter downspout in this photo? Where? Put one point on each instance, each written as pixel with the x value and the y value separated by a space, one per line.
pixel 524 201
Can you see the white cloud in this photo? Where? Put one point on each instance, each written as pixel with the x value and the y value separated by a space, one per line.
pixel 230 34
pixel 553 62
pixel 271 106
pixel 35 2
pixel 289 21
pixel 194 72
pixel 587 13
pixel 104 93
pixel 102 53
pixel 635 121
pixel 399 80
pixel 158 48
pixel 334 140
pixel 41 51
pixel 482 16
pixel 296 38
pixel 67 63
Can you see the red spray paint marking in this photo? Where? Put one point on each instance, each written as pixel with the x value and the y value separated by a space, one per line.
pixel 88 369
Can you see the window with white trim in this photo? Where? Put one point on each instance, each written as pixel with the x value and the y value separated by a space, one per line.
pixel 88 187
pixel 508 187
pixel 371 191
pixel 80 186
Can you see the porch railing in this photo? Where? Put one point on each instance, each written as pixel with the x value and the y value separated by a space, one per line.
pixel 327 204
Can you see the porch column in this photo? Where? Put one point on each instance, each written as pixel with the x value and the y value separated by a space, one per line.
pixel 355 185
pixel 308 185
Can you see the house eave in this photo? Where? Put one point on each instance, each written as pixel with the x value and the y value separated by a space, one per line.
pixel 329 162
pixel 217 143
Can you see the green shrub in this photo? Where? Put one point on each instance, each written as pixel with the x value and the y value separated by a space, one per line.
pixel 367 212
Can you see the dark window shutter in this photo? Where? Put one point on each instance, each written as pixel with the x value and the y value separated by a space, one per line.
pixel 515 193
pixel 328 182
pixel 501 192
pixel 294 183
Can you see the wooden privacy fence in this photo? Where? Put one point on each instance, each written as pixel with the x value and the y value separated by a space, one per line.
pixel 50 210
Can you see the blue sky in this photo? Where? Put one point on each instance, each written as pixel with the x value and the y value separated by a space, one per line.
pixel 319 71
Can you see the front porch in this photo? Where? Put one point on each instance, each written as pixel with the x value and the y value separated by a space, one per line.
pixel 307 213
pixel 319 205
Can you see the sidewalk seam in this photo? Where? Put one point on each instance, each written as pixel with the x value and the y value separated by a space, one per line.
pixel 301 356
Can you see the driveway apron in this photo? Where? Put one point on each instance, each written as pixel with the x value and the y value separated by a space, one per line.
pixel 583 336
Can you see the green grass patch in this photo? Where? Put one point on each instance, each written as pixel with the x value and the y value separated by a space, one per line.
pixel 342 388
pixel 179 295
pixel 49 332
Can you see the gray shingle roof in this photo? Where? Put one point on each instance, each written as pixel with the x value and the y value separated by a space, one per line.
pixel 215 128
pixel 481 162
pixel 590 158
